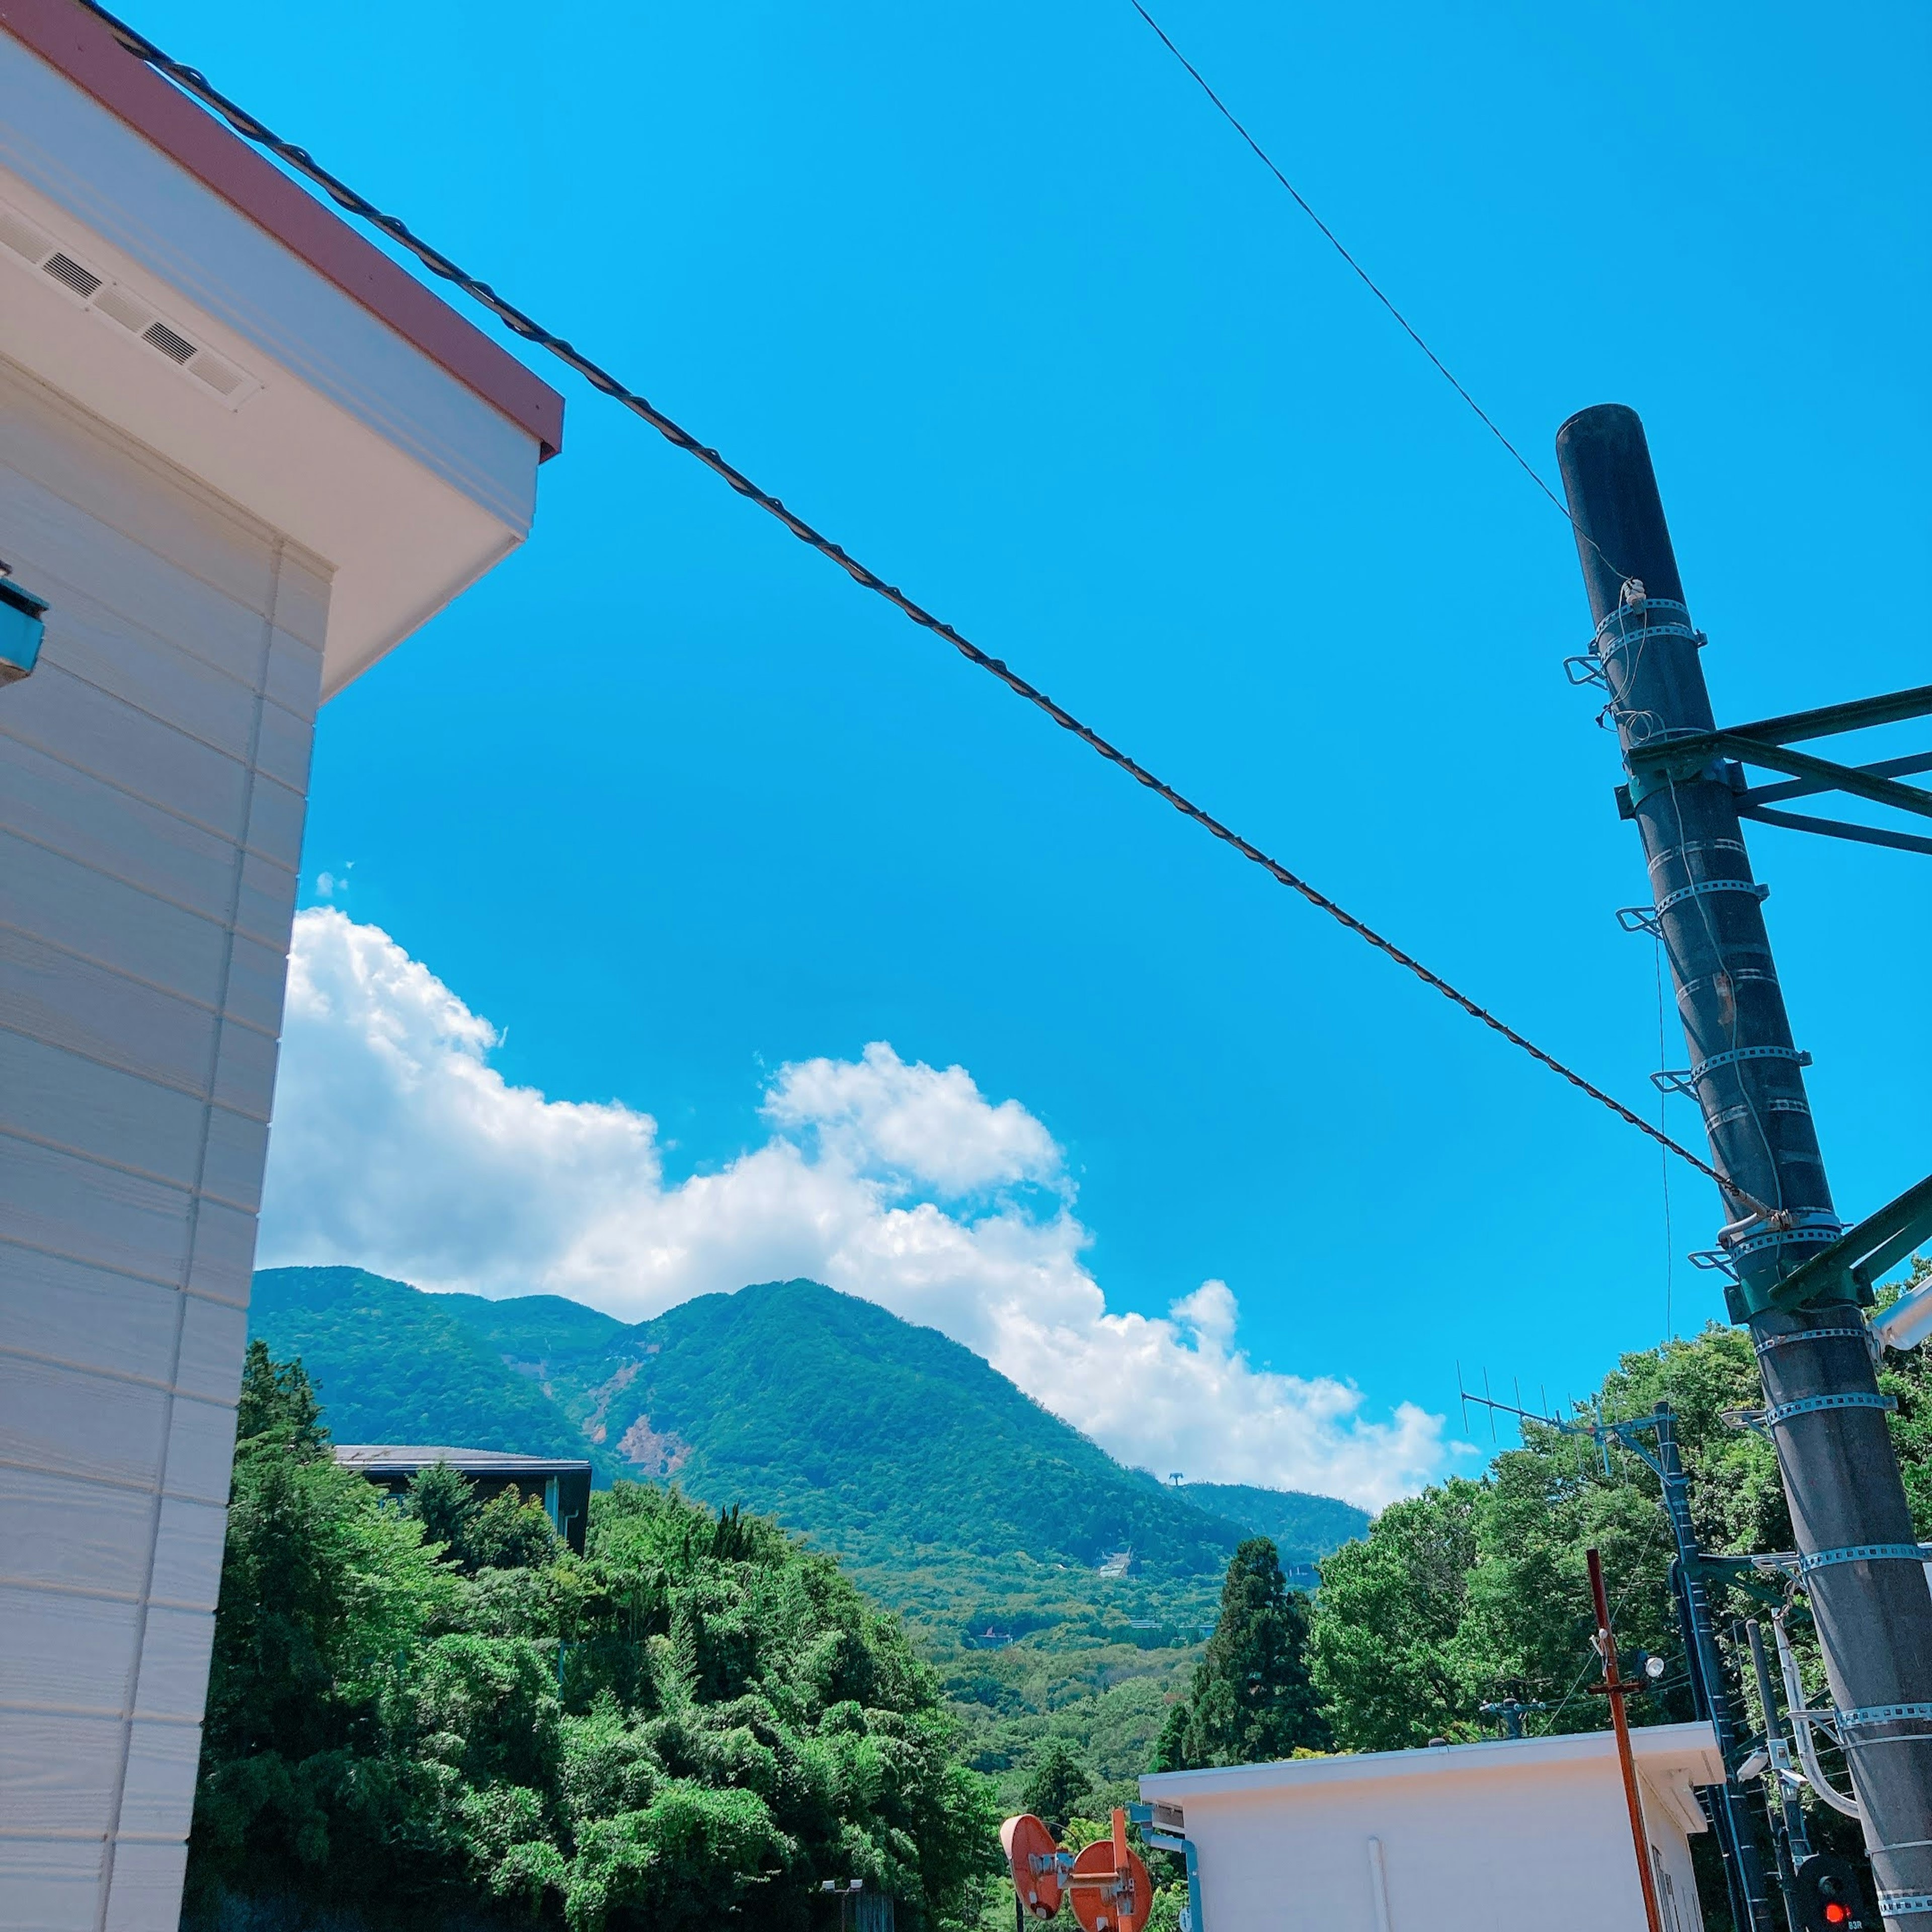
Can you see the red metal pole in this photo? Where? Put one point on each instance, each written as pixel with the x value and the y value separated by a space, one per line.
pixel 1616 1690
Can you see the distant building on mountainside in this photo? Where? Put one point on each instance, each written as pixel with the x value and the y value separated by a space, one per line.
pixel 1512 1835
pixel 243 455
pixel 563 1486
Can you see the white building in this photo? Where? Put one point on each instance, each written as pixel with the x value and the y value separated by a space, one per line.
pixel 1523 1835
pixel 242 454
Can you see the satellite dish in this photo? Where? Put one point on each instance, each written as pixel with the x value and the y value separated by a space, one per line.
pixel 1109 1885
pixel 1035 1860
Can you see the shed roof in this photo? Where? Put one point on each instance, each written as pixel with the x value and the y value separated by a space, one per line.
pixel 80 46
pixel 405 1458
pixel 1671 1758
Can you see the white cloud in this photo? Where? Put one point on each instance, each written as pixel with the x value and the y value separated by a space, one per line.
pixel 398 1147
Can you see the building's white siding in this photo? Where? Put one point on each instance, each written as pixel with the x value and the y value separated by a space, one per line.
pixel 1523 1835
pixel 153 775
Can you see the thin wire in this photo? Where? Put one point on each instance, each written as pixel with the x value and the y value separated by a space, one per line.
pixel 1368 282
pixel 439 265
pixel 1664 1160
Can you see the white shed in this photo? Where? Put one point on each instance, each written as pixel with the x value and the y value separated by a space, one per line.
pixel 242 454
pixel 1519 1835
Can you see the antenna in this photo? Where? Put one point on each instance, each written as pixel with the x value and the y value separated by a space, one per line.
pixel 1516 1408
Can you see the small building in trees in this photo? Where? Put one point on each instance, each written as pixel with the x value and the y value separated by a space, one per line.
pixel 561 1485
pixel 1515 1835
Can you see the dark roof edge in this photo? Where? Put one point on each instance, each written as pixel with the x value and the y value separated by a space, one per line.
pixel 77 44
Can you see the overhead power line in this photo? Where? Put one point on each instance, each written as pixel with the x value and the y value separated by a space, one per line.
pixel 196 84
pixel 1368 281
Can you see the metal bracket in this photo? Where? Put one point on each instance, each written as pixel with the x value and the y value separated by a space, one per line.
pixel 1714 1260
pixel 1899 1904
pixel 1882 1714
pixel 1588 670
pixel 1849 1268
pixel 1674 1080
pixel 1733 1056
pixel 1764 1344
pixel 1861 1553
pixel 1810 1404
pixel 1701 887
pixel 1648 918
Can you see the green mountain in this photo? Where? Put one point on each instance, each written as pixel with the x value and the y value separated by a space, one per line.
pixel 1034 1569
pixel 1304 1528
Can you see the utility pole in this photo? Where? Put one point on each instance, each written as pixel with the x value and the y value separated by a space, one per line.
pixel 1859 1558
pixel 1614 1687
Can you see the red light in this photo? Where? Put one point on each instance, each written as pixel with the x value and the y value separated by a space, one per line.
pixel 1837 1914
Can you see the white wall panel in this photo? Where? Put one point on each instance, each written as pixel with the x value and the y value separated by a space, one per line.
pixel 244 1070
pixel 257 979
pixel 294 680
pixel 158 1797
pixel 201 1445
pixel 98 732
pixel 88 1009
pixel 237 1147
pixel 265 905
pixel 96 571
pixel 145 1893
pixel 223 1256
pixel 71 1423
pixel 275 820
pixel 87 1318
pixel 177 530
pixel 64 903
pixel 76 814
pixel 66 1653
pixel 158 677
pixel 98 1110
pixel 187 1553
pixel 52 1886
pixel 283 746
pixel 175 1646
pixel 214 1341
pixel 70 1535
pixel 66 1205
pixel 153 775
pixel 59 1772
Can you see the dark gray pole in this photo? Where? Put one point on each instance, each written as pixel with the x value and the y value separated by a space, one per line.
pixel 1856 1542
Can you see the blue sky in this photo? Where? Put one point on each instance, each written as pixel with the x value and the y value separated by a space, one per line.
pixel 993 296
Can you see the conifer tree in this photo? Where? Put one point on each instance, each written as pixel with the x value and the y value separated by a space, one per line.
pixel 1252 1701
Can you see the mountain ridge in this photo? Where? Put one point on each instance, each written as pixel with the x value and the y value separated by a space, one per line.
pixel 889 1443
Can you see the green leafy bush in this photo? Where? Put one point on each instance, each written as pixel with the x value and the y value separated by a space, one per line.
pixel 698 1719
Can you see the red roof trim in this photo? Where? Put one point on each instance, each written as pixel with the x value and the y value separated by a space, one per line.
pixel 80 46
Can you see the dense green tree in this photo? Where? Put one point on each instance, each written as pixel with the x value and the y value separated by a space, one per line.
pixel 698 1720
pixel 511 1531
pixel 278 1400
pixel 1057 1784
pixel 1474 1591
pixel 440 1498
pixel 1251 1700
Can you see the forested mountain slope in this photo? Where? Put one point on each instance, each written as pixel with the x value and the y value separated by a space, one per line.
pixel 949 1495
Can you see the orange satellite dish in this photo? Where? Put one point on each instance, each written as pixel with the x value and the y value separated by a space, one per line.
pixel 1034 1858
pixel 1109 1885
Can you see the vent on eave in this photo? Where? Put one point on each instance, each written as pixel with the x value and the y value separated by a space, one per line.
pixel 175 348
pixel 119 305
pixel 65 269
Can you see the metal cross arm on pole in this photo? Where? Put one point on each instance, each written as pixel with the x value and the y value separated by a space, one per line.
pixel 1850 1268
pixel 1679 757
pixel 1832 721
